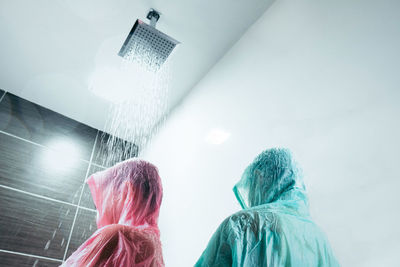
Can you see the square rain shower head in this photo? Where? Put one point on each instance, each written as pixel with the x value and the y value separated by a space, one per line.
pixel 144 37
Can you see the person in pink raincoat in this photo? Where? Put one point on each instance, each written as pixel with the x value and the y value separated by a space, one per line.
pixel 127 198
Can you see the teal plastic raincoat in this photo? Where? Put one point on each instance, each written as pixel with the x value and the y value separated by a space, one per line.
pixel 274 228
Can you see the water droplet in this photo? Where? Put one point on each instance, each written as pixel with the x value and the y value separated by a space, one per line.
pixel 83 233
pixel 35 263
pixel 62 242
pixel 54 234
pixel 47 245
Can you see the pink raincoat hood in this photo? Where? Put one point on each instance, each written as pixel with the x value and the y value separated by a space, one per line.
pixel 129 193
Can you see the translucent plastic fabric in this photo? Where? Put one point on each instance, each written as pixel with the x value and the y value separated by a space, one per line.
pixel 127 198
pixel 274 228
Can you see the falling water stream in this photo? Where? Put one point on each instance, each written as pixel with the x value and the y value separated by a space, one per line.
pixel 134 119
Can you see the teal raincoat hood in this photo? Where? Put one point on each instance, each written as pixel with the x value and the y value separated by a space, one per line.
pixel 273 176
pixel 274 228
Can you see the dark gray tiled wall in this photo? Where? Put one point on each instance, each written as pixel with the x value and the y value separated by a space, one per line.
pixel 8 259
pixel 85 225
pixel 24 166
pixel 43 126
pixel 40 220
pixel 32 225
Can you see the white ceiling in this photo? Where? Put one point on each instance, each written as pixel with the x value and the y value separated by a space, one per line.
pixel 50 48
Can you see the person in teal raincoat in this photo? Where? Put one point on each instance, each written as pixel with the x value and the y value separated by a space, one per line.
pixel 274 228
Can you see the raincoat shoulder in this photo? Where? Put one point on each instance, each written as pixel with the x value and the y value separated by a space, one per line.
pixel 227 247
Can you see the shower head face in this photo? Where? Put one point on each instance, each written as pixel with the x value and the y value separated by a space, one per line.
pixel 145 39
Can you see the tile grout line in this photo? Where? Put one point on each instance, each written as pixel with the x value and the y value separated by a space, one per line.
pixel 22 139
pixel 80 198
pixel 98 165
pixel 1 98
pixel 37 144
pixel 29 255
pixel 88 209
pixel 40 196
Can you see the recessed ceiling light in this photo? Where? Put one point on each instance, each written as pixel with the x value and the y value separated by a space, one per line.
pixel 217 136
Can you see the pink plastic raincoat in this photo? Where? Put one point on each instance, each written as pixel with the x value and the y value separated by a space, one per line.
pixel 128 198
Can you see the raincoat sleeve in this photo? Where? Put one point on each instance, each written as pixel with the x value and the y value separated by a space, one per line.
pixel 219 249
pixel 233 244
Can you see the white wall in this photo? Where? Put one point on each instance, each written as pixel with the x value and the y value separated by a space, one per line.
pixel 319 77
